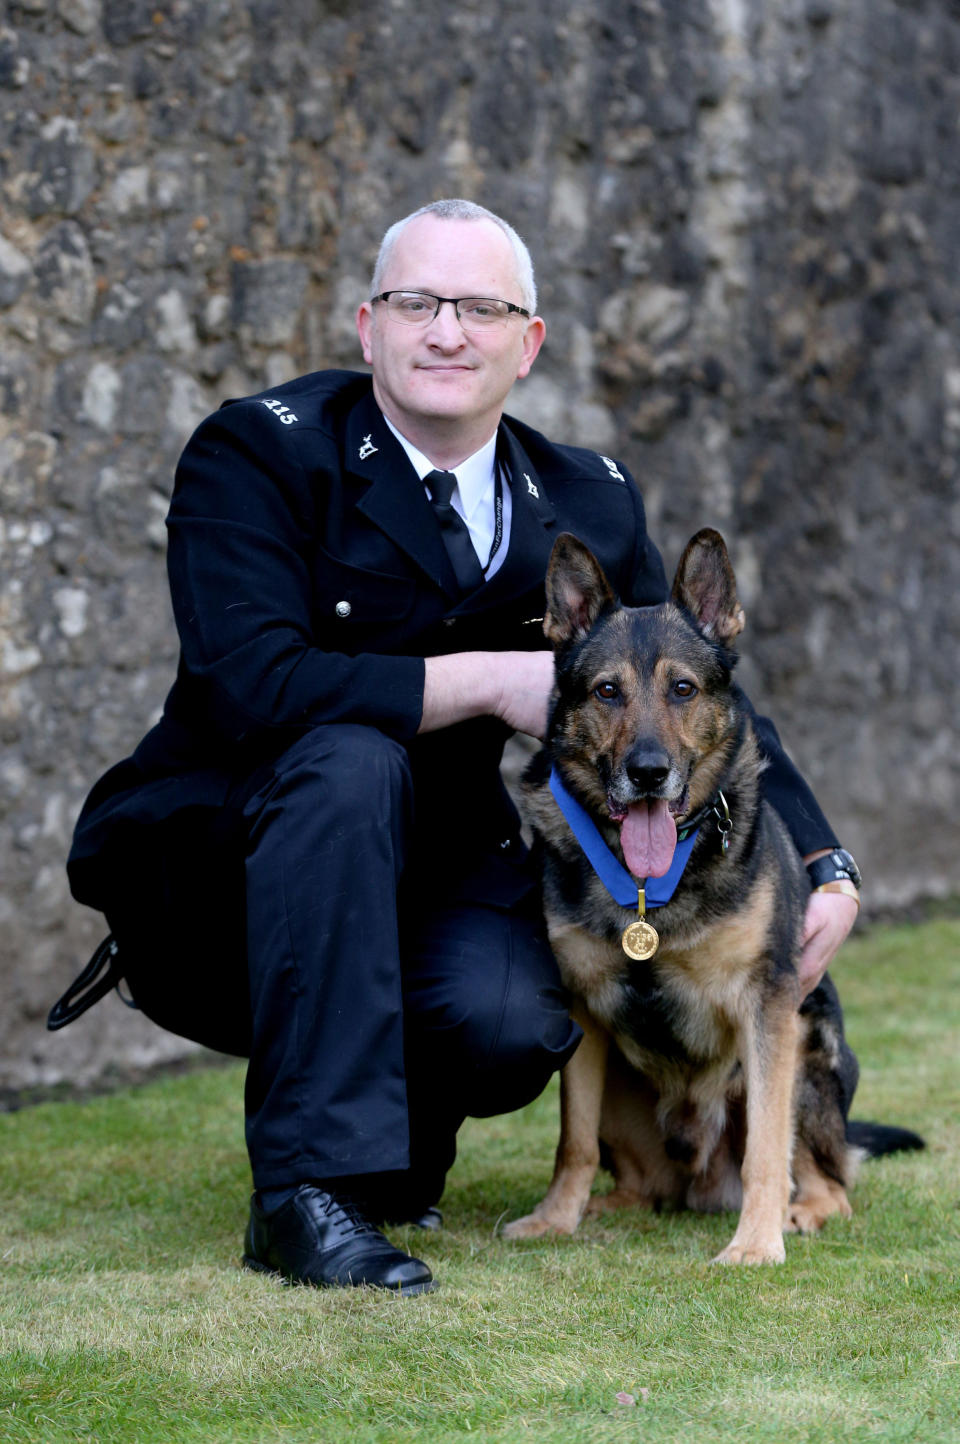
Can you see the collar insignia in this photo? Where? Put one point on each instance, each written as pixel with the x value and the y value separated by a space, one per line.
pixel 530 486
pixel 367 449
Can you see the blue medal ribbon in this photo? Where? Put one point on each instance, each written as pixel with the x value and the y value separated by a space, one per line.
pixel 620 884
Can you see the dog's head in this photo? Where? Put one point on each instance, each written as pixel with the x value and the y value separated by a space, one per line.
pixel 644 713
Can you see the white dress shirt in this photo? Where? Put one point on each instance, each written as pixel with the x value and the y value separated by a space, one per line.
pixel 473 496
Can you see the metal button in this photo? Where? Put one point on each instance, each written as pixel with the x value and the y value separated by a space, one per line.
pixel 343 609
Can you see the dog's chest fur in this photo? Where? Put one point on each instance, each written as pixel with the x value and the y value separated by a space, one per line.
pixel 678 1013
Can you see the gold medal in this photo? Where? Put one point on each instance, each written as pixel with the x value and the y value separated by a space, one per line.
pixel 640 940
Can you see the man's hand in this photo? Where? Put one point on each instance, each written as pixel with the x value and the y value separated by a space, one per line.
pixel 514 686
pixel 829 918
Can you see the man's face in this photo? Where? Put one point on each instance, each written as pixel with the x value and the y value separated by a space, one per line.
pixel 427 379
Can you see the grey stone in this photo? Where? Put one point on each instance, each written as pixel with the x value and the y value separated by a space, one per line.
pixel 14 67
pixel 127 20
pixel 174 330
pixel 130 191
pixel 66 285
pixel 26 463
pixel 15 272
pixel 121 321
pixel 267 297
pixel 145 392
pixel 315 112
pixel 18 389
pixel 101 393
pixel 82 16
pixel 64 169
pixel 647 313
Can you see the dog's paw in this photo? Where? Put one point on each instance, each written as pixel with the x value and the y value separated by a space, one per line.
pixel 535 1225
pixel 753 1251
pixel 529 1227
pixel 808 1215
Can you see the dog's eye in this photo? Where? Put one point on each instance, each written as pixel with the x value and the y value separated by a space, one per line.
pixel 684 689
pixel 606 691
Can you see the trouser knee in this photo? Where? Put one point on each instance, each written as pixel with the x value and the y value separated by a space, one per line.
pixel 488 1014
pixel 532 1038
pixel 356 773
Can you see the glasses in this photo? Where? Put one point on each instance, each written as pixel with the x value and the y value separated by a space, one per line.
pixel 475 313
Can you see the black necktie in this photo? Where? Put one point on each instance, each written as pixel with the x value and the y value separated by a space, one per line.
pixel 453 529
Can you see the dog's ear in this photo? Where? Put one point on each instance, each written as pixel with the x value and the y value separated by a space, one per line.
pixel 577 591
pixel 706 586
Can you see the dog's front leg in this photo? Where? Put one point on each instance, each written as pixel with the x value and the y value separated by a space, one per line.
pixel 768 1054
pixel 578 1152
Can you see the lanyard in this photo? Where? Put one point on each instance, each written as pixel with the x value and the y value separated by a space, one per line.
pixel 497 513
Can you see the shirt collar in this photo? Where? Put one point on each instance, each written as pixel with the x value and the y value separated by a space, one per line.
pixel 475 475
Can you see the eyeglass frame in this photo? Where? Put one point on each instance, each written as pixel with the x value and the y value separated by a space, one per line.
pixel 512 309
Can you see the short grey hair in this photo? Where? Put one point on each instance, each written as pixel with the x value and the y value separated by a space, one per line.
pixel 461 210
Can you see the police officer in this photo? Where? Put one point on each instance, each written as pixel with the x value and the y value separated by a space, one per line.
pixel 312 859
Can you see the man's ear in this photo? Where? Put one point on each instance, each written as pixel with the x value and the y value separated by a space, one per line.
pixel 533 338
pixel 577 591
pixel 706 586
pixel 364 320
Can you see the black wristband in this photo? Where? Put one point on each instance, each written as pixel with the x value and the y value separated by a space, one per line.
pixel 833 866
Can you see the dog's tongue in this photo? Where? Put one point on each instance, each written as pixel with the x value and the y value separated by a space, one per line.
pixel 648 837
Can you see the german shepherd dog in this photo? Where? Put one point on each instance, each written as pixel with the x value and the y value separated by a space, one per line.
pixel 702 1080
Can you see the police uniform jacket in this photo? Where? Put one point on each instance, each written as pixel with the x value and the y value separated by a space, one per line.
pixel 309 581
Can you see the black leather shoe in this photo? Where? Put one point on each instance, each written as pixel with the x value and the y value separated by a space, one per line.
pixel 428 1218
pixel 431 1219
pixel 316 1238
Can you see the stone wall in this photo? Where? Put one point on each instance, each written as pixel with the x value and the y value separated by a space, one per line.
pixel 746 218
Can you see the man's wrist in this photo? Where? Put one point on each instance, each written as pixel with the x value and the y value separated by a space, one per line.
pixel 841 885
pixel 458 686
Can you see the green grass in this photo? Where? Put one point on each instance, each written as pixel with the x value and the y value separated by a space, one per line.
pixel 124 1314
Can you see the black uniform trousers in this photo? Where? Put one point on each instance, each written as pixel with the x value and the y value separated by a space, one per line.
pixel 382 1014
pixel 384 1008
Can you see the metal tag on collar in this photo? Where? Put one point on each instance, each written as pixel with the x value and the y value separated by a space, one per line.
pixel 640 940
pixel 724 823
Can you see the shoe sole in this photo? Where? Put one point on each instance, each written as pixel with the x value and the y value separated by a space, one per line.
pixel 402 1290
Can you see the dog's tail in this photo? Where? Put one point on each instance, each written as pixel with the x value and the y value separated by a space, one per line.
pixel 875 1139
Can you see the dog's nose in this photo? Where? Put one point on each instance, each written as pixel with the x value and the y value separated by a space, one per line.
pixel 647 767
